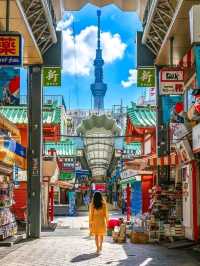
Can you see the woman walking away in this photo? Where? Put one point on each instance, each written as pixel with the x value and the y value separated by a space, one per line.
pixel 98 218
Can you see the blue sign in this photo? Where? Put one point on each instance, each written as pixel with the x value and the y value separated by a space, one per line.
pixel 82 174
pixel 197 60
pixel 10 49
pixel 14 147
pixel 168 103
pixel 9 85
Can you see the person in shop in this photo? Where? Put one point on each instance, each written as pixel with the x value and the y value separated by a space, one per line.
pixel 98 218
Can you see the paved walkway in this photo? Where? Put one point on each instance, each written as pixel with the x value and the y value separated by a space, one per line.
pixel 71 245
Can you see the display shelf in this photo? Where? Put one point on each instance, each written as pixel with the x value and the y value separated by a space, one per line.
pixel 8 226
pixel 163 207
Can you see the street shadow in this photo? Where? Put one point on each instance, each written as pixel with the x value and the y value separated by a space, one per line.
pixel 84 257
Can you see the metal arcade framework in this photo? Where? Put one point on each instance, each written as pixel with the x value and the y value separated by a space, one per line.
pixel 41 18
pixel 157 19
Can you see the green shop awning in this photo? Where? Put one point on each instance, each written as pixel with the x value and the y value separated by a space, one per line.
pixel 62 148
pixel 130 180
pixel 18 114
pixel 142 116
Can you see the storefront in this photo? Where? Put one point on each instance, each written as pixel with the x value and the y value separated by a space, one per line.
pixel 11 154
pixel 66 159
pixel 141 135
pixel 187 147
pixel 196 178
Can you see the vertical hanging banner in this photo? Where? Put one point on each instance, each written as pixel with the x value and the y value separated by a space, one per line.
pixel 197 61
pixel 10 49
pixel 9 86
pixel 51 76
pixel 171 81
pixel 146 77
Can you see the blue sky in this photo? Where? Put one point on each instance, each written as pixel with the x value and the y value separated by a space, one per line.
pixel 119 51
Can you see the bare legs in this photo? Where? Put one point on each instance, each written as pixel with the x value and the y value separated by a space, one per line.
pixel 99 242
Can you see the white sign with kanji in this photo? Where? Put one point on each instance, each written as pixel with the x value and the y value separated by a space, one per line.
pixel 171 81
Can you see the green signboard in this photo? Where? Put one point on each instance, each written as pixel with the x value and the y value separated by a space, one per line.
pixel 51 76
pixel 66 176
pixel 146 77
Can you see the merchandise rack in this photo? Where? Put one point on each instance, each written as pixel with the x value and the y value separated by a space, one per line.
pixel 8 226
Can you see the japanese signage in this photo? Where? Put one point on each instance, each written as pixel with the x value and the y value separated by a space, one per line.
pixel 147 146
pixel 10 49
pixel 178 131
pixel 66 175
pixel 146 77
pixel 196 138
pixel 185 151
pixel 171 81
pixel 100 187
pixel 197 63
pixel 67 164
pixel 9 86
pixel 128 155
pixel 118 153
pixel 52 76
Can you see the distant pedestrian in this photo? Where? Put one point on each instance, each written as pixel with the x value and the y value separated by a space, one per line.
pixel 98 218
pixel 86 200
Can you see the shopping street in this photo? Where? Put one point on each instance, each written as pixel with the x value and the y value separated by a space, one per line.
pixel 99 112
pixel 70 245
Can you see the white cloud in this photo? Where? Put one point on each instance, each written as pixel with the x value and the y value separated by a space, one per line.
pixel 67 20
pixel 79 56
pixel 132 79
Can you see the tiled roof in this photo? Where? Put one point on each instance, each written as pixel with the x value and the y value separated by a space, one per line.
pixel 63 148
pixel 142 116
pixel 134 146
pixel 18 114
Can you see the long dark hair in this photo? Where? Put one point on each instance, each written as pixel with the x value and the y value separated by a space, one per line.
pixel 97 200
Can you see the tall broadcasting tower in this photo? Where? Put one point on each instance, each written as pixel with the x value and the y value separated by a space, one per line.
pixel 98 88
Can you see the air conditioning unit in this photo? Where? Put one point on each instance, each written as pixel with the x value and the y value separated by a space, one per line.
pixel 195 24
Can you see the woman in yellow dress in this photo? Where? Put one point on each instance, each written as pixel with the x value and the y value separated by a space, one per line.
pixel 98 218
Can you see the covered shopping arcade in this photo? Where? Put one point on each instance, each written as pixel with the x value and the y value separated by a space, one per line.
pixel 36 22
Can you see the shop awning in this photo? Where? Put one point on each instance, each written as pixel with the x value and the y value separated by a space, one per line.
pixel 188 59
pixel 18 114
pixel 171 159
pixel 62 148
pixel 141 120
pixel 64 184
pixel 136 164
pixel 12 152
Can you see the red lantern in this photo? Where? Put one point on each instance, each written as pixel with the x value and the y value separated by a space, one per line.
pixel 179 107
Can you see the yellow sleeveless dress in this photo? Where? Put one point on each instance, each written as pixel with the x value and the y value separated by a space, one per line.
pixel 98 219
